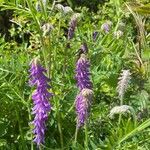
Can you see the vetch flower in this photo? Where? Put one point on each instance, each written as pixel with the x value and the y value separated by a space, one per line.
pixel 106 26
pixel 83 102
pixel 40 98
pixel 83 73
pixel 84 98
pixel 72 26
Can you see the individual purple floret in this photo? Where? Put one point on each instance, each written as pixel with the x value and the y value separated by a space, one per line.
pixel 40 98
pixel 82 73
pixel 83 102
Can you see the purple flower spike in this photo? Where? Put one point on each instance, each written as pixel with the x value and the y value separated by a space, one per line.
pixel 40 98
pixel 84 98
pixel 82 73
pixel 83 102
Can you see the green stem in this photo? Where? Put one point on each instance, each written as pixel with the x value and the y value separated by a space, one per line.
pixel 29 112
pixel 20 129
pixel 40 147
pixel 59 123
pixel 43 10
pixel 69 110
pixel 120 115
pixel 76 135
pixel 32 9
pixel 53 5
pixel 86 136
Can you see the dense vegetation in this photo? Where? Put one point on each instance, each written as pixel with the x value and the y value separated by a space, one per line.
pixel 115 37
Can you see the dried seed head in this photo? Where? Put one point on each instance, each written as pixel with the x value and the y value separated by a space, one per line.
pixel 120 110
pixel 123 82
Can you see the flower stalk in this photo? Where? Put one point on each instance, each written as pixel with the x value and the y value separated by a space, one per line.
pixel 84 98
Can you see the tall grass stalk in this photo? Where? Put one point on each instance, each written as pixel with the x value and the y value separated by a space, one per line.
pixel 141 127
pixel 30 118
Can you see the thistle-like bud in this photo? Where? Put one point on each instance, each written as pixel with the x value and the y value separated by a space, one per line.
pixel 121 110
pixel 83 102
pixel 40 98
pixel 83 73
pixel 123 83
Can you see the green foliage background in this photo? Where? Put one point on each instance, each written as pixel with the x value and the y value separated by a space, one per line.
pixel 22 40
